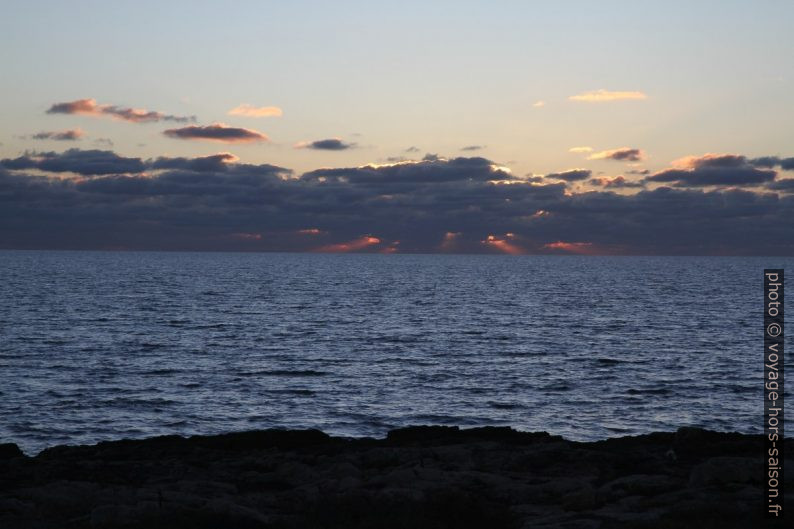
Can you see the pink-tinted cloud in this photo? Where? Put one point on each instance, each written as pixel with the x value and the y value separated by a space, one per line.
pixel 64 135
pixel 624 154
pixel 583 248
pixel 350 246
pixel 710 160
pixel 504 244
pixel 716 170
pixel 251 111
pixel 217 132
pixel 90 107
pixel 604 96
pixel 393 247
pixel 449 243
pixel 310 231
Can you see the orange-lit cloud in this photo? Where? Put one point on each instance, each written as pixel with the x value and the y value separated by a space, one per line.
pixel 538 104
pixel 503 245
pixel 709 159
pixel 582 248
pixel 449 241
pixel 255 112
pixel 350 246
pixel 217 132
pixel 624 154
pixel 581 149
pixel 89 107
pixel 603 96
pixel 539 214
pixel 391 248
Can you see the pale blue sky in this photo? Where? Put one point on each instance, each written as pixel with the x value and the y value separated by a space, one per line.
pixel 436 75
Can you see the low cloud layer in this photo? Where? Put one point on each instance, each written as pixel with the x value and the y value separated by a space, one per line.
pixel 618 182
pixel 714 170
pixel 90 107
pixel 216 132
pixel 464 204
pixel 83 162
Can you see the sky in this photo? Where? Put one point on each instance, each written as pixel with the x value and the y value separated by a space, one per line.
pixel 608 127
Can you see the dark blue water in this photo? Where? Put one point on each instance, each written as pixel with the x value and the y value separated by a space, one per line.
pixel 100 346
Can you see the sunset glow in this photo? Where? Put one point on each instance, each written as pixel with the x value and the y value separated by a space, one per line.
pixel 350 246
pixel 503 245
pixel 571 136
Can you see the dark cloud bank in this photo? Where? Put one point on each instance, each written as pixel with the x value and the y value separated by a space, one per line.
pixel 98 199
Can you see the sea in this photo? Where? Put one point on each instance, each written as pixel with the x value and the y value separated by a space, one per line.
pixel 108 345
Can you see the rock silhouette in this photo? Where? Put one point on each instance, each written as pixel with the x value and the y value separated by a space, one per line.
pixel 418 477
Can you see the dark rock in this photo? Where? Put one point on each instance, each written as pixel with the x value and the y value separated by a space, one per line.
pixel 9 450
pixel 726 470
pixel 430 477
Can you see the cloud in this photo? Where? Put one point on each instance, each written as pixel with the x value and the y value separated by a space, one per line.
pixel 255 112
pixel 538 104
pixel 412 149
pixel 503 244
pixel 87 163
pixel 786 185
pixel 570 247
pixel 624 154
pixel 713 170
pixel 90 107
pixel 459 204
pixel 448 243
pixel 787 164
pixel 350 246
pixel 217 132
pixel 571 175
pixel 472 148
pixel 602 96
pixel 330 144
pixel 247 236
pixel 580 149
pixel 618 182
pixel 432 170
pixel 64 135
pixel 710 160
pixel 215 162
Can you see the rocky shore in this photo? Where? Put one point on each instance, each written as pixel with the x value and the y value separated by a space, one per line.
pixel 419 477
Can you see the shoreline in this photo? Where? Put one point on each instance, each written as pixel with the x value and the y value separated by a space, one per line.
pixel 422 476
